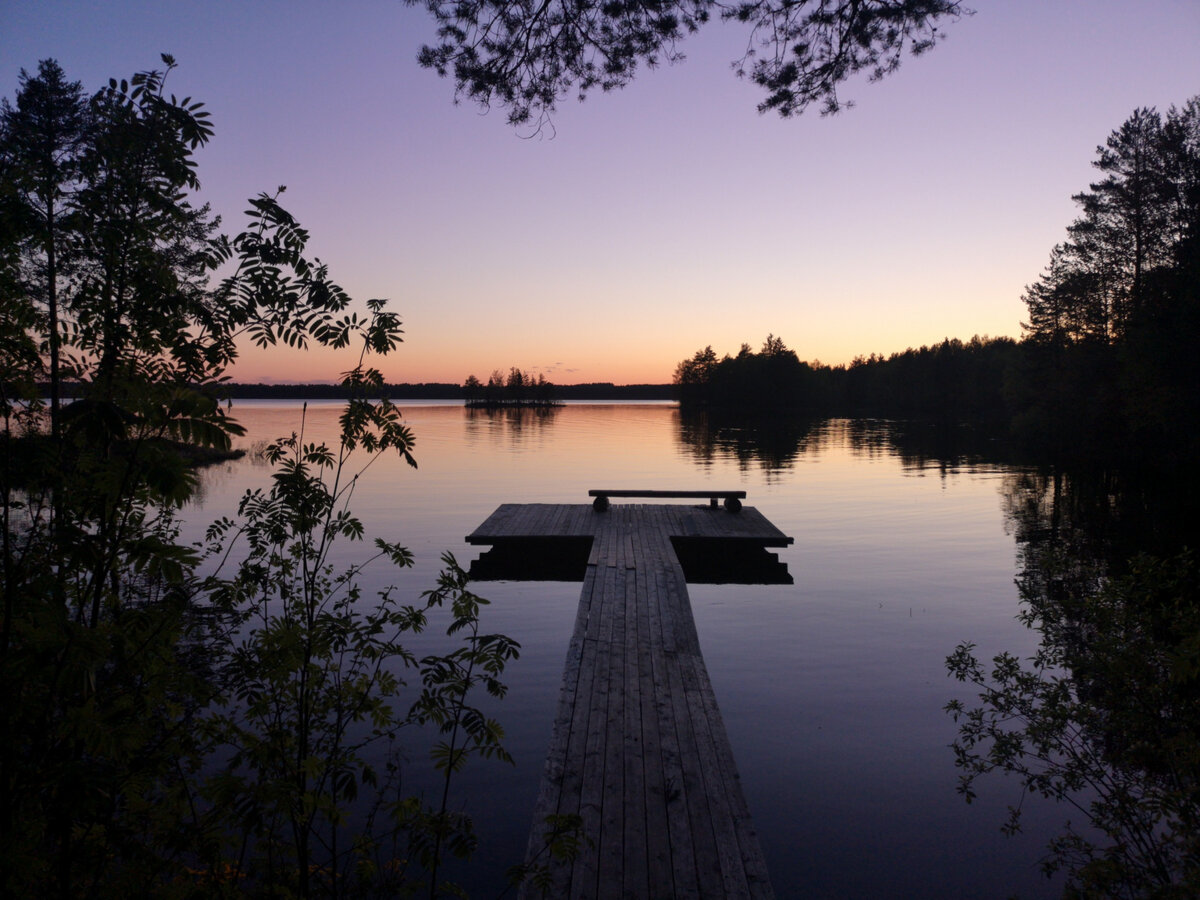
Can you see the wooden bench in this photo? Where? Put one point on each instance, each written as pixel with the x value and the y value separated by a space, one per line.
pixel 733 499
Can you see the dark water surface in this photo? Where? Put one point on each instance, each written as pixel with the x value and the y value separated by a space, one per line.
pixel 831 688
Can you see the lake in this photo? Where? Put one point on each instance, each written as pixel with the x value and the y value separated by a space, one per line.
pixel 832 688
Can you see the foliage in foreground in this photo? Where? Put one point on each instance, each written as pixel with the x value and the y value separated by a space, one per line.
pixel 195 720
pixel 1105 718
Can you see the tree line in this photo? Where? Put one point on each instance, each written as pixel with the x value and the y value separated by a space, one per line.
pixel 1104 390
pixel 434 390
pixel 952 381
pixel 422 390
pixel 1107 358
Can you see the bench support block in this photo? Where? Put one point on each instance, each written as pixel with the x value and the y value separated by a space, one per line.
pixel 733 499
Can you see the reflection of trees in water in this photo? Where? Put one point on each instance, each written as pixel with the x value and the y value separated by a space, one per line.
pixel 1052 514
pixel 1107 516
pixel 773 443
pixel 1106 717
pixel 517 423
pixel 926 445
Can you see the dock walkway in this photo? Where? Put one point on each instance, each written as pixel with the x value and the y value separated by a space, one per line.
pixel 639 750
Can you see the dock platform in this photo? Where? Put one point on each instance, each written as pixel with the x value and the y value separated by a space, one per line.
pixel 639 751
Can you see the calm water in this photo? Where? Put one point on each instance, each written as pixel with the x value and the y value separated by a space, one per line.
pixel 832 688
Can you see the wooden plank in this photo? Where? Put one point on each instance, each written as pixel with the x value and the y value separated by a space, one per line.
pixel 535 520
pixel 660 751
pixel 635 877
pixel 599 551
pixel 613 820
pixel 558 520
pixel 638 748
pixel 585 876
pixel 580 519
pixel 691 772
pixel 684 871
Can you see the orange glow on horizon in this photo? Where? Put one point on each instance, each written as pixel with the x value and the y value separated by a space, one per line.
pixel 658 219
pixel 412 364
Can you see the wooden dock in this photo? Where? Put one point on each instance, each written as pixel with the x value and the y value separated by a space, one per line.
pixel 639 750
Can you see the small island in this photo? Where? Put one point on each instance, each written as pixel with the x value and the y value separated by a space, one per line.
pixel 518 390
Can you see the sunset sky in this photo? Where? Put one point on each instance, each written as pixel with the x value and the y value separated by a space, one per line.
pixel 657 219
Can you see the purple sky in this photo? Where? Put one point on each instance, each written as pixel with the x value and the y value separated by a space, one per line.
pixel 660 218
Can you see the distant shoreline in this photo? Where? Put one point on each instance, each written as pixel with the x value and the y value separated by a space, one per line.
pixel 408 391
pixel 443 391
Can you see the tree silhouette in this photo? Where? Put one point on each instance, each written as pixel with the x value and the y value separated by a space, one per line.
pixel 1114 318
pixel 40 154
pixel 1135 236
pixel 143 688
pixel 518 389
pixel 526 55
pixel 472 389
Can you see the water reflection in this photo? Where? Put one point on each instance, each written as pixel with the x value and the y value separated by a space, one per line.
pixel 945 447
pixel 776 444
pixel 1102 516
pixel 771 443
pixel 1113 598
pixel 832 690
pixel 516 425
pixel 1114 595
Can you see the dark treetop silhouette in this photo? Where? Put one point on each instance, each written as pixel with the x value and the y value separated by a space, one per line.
pixel 526 55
